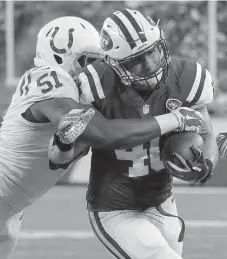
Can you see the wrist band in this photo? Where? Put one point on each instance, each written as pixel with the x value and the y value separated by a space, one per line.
pixel 62 147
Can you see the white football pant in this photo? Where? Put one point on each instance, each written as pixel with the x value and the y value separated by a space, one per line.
pixel 10 223
pixel 140 235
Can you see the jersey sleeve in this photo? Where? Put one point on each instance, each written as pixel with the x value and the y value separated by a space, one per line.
pixel 42 83
pixel 196 83
pixel 96 82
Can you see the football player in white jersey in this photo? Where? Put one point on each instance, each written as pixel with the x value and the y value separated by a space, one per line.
pixel 45 109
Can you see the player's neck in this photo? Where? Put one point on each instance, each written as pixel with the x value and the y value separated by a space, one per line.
pixel 145 94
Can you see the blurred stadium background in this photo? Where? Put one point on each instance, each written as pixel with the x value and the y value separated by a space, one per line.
pixel 194 29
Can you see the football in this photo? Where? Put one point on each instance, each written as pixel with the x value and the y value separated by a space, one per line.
pixel 180 142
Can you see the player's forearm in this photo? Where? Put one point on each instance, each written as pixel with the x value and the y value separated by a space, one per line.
pixel 210 149
pixel 118 133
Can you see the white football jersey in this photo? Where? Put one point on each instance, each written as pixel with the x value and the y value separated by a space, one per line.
pixel 24 165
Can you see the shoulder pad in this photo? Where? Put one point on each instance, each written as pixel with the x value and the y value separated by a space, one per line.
pixel 40 83
pixel 195 82
pixel 95 82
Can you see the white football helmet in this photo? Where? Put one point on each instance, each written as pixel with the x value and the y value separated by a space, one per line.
pixel 68 42
pixel 128 38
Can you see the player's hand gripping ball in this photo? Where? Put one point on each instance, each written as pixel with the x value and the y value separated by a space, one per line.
pixel 183 158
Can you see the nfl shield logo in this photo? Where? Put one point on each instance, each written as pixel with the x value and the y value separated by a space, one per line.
pixel 173 104
pixel 146 109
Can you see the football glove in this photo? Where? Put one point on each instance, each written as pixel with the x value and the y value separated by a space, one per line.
pixel 198 171
pixel 189 119
pixel 73 124
pixel 222 144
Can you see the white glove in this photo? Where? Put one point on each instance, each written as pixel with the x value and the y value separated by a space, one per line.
pixel 189 119
pixel 73 124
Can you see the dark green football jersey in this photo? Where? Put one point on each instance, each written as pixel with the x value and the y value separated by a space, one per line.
pixel 135 178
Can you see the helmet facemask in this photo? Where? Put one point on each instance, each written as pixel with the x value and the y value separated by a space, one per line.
pixel 148 77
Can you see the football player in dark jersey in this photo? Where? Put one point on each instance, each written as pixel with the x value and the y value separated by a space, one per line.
pixel 47 99
pixel 131 207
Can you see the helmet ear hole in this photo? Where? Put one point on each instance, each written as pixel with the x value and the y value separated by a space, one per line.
pixel 58 59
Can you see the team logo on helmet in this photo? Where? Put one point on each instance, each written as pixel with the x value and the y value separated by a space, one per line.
pixel 173 104
pixel 69 45
pixel 105 40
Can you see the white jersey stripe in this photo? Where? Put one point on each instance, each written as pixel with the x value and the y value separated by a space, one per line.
pixel 87 95
pixel 96 81
pixel 196 83
pixel 208 90
pixel 24 81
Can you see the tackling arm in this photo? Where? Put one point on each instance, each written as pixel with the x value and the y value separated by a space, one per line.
pixel 117 133
pixel 127 133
